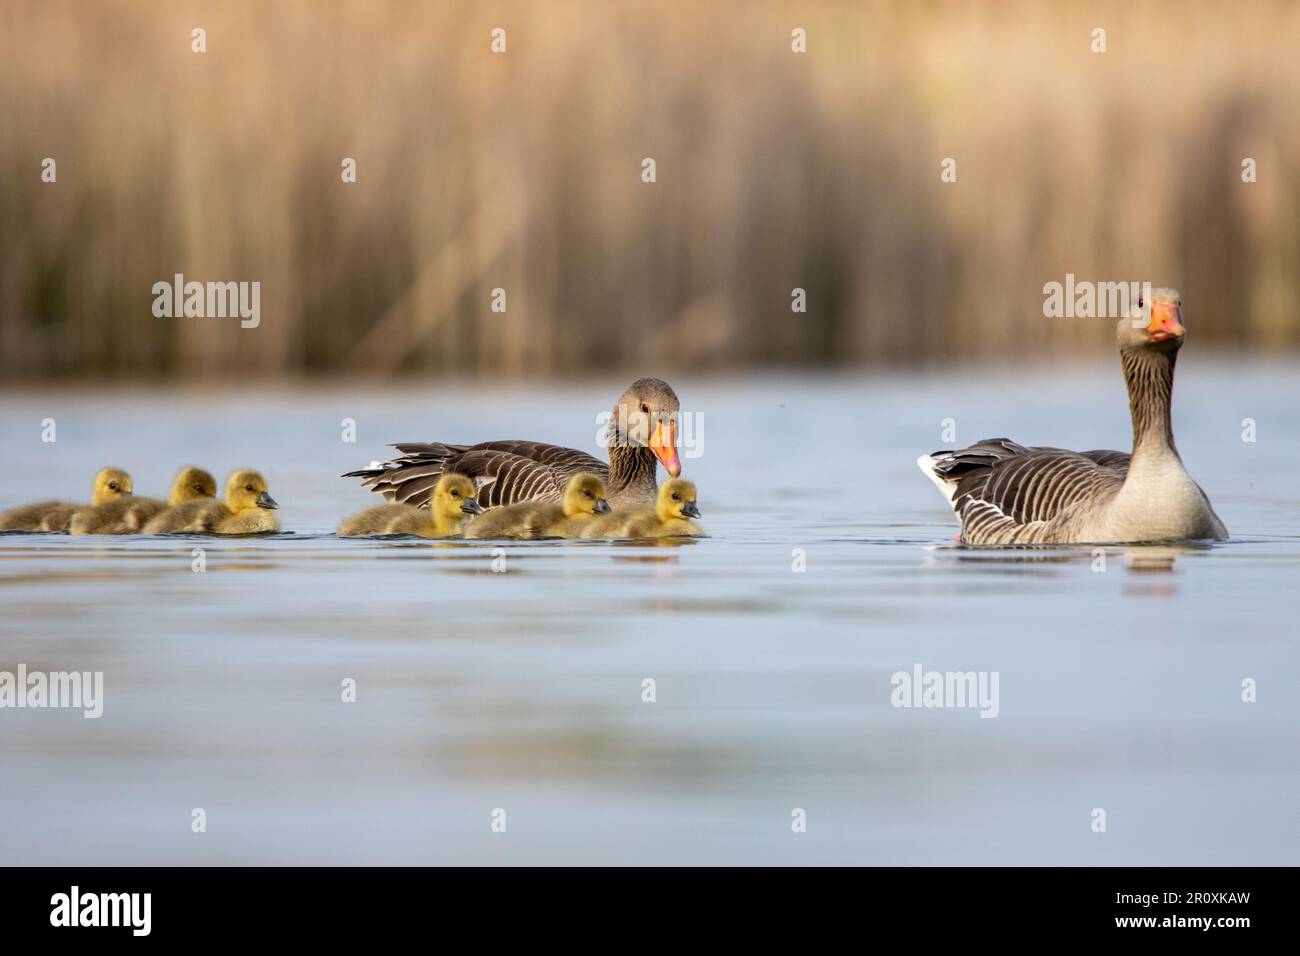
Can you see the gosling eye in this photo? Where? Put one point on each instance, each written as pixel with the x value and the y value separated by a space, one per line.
pixel 677 497
pixel 248 487
pixel 198 488
pixel 455 494
pixel 112 486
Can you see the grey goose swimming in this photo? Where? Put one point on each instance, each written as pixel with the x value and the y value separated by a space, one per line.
pixel 642 433
pixel 1006 494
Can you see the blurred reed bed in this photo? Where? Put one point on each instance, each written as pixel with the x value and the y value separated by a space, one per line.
pixel 522 171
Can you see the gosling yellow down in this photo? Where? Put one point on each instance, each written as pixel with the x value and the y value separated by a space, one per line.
pixel 247 509
pixel 130 515
pixel 110 484
pixel 453 501
pixel 670 517
pixel 584 499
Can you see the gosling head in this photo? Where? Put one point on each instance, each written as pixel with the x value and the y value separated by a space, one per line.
pixel 191 484
pixel 110 484
pixel 246 489
pixel 585 495
pixel 1160 329
pixel 645 416
pixel 453 498
pixel 676 500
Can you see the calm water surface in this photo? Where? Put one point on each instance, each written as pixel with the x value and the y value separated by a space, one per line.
pixel 1118 688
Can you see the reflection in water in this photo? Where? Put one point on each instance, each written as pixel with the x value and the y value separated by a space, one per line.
pixel 1155 558
pixel 1142 559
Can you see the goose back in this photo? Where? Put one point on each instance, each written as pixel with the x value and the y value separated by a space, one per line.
pixel 503 472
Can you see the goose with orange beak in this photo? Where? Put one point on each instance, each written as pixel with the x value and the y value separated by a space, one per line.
pixel 641 435
pixel 1005 493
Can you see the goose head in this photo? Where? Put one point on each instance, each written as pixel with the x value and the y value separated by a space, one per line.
pixel 585 495
pixel 1160 329
pixel 453 498
pixel 676 500
pixel 645 416
pixel 192 484
pixel 110 484
pixel 246 490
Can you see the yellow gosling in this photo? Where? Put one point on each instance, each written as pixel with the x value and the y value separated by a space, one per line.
pixel 453 501
pixel 247 509
pixel 131 515
pixel 584 502
pixel 193 491
pixel 670 517
pixel 110 484
pixel 584 498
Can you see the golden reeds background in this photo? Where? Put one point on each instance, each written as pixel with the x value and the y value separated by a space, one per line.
pixel 522 171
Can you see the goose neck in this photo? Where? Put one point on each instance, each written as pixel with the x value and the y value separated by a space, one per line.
pixel 630 465
pixel 1149 376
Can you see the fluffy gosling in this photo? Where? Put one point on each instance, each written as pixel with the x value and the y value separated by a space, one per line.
pixel 584 498
pixel 670 517
pixel 453 502
pixel 247 509
pixel 110 484
pixel 131 515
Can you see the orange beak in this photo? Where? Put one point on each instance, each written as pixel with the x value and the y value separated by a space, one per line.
pixel 663 442
pixel 1166 322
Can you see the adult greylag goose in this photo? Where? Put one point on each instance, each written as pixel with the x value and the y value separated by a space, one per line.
pixel 110 485
pixel 129 514
pixel 453 502
pixel 584 498
pixel 1004 493
pixel 642 432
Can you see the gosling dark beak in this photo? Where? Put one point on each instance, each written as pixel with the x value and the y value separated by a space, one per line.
pixel 471 507
pixel 266 501
pixel 602 507
pixel 690 510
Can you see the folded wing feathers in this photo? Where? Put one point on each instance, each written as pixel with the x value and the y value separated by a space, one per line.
pixel 1006 493
pixel 503 472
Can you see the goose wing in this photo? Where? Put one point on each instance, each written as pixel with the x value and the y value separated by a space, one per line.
pixel 503 472
pixel 1007 493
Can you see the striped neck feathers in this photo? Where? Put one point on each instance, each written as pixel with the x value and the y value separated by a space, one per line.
pixel 1149 375
pixel 630 466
